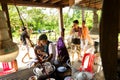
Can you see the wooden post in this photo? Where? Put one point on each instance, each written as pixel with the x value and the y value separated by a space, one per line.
pixel 61 28
pixel 109 38
pixel 5 9
pixel 95 29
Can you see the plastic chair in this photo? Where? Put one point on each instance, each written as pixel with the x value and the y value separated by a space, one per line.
pixel 87 62
pixel 7 68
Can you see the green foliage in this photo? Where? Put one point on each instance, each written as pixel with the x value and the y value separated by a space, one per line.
pixel 77 15
pixel 89 18
pixel 46 19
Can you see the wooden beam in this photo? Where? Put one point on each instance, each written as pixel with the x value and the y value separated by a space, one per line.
pixel 109 38
pixel 55 1
pixel 30 3
pixel 61 27
pixel 71 2
pixel 45 1
pixel 91 6
pixel 94 4
pixel 90 1
pixel 36 0
pixel 5 9
pixel 65 2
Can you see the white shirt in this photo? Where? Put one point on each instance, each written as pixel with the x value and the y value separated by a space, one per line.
pixel 53 50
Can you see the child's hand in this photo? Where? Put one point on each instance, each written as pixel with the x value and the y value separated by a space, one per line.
pixel 44 54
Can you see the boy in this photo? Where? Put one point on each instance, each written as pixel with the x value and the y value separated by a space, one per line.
pixel 49 47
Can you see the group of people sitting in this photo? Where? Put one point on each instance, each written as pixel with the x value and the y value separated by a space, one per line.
pixel 45 50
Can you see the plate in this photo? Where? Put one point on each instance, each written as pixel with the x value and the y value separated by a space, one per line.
pixel 61 69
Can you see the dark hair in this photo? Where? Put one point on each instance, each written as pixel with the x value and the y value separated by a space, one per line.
pixel 23 28
pixel 83 21
pixel 76 21
pixel 43 37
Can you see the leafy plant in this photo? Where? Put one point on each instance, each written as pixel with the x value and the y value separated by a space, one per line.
pixel 36 18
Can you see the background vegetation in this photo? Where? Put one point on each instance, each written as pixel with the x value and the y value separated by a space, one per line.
pixel 37 18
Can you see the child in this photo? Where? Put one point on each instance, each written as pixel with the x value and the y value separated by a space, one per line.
pixel 40 55
pixel 39 51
